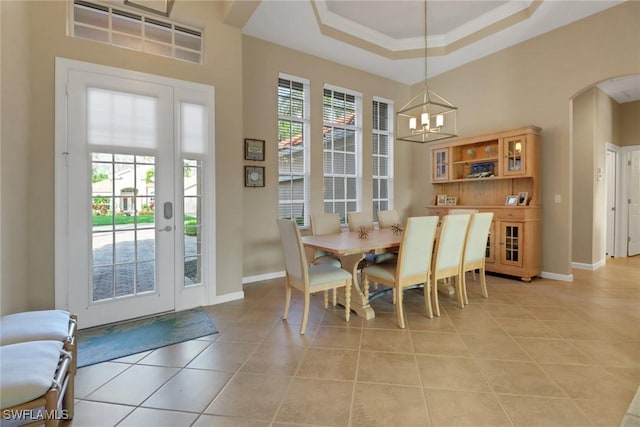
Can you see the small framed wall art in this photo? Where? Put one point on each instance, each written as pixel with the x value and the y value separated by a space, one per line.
pixel 254 176
pixel 253 149
pixel 452 200
pixel 441 199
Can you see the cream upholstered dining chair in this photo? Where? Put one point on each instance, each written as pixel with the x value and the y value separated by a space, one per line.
pixel 325 223
pixel 448 258
pixel 412 266
pixel 462 211
pixel 357 220
pixel 475 250
pixel 387 219
pixel 306 278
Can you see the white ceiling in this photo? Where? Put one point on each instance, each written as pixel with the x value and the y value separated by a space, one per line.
pixel 386 37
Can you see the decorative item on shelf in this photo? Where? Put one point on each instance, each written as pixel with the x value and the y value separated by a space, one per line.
pixel 441 200
pixel 253 149
pixel 489 150
pixel 481 170
pixel 396 229
pixel 437 115
pixel 523 198
pixel 254 176
pixel 452 200
pixel 363 232
pixel 470 153
pixel 511 200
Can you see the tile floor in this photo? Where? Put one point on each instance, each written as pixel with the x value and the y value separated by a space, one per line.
pixel 543 354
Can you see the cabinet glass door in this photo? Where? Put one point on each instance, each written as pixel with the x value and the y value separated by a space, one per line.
pixel 514 152
pixel 490 251
pixel 441 164
pixel 511 244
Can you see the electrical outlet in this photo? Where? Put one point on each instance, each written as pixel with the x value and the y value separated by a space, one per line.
pixel 557 198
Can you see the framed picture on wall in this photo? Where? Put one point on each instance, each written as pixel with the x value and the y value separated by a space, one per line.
pixel 253 149
pixel 254 176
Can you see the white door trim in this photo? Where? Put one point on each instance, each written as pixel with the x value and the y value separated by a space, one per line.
pixel 62 264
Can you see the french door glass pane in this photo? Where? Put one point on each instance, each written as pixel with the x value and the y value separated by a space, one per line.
pixel 192 178
pixel 123 225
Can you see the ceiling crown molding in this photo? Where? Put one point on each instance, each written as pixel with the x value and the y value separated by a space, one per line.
pixel 348 31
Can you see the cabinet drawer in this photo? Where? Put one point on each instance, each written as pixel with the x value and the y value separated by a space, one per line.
pixel 509 215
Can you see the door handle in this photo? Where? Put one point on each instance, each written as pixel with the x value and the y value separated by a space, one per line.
pixel 166 228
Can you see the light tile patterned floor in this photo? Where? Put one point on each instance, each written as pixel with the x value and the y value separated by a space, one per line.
pixel 543 354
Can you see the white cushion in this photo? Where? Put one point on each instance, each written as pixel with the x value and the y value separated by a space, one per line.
pixel 325 273
pixel 34 326
pixel 27 370
pixel 384 270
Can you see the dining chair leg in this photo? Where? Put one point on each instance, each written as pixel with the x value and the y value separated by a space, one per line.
pixel 427 298
pixel 335 297
pixel 465 298
pixel 459 285
pixel 483 283
pixel 436 305
pixel 326 299
pixel 347 301
pixel 365 288
pixel 287 300
pixel 399 310
pixel 305 312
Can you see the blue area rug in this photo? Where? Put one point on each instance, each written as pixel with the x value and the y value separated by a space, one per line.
pixel 117 340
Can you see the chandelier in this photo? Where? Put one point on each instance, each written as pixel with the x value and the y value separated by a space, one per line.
pixel 427 117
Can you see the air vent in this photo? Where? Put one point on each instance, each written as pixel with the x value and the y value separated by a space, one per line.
pixel 122 28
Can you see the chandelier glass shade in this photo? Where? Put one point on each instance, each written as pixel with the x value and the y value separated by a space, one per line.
pixel 427 117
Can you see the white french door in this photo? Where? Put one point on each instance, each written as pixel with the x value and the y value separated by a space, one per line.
pixel 135 153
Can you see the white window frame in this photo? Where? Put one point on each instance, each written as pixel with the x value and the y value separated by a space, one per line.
pixel 390 152
pixel 357 128
pixel 306 135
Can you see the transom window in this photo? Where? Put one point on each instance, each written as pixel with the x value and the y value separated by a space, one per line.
pixel 341 113
pixel 122 28
pixel 293 131
pixel 382 149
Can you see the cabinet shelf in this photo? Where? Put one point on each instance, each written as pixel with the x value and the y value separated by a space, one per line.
pixel 474 161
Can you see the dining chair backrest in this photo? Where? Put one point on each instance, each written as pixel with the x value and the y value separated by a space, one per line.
pixel 414 258
pixel 294 257
pixel 386 219
pixel 453 233
pixel 325 223
pixel 462 211
pixel 475 248
pixel 357 220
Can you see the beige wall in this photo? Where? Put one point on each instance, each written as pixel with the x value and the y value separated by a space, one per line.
pixel 33 79
pixel 262 63
pixel 594 120
pixel 15 170
pixel 630 123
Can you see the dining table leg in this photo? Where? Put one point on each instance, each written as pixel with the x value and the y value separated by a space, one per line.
pixel 359 301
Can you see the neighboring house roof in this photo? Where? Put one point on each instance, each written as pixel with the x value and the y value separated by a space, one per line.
pixel 297 139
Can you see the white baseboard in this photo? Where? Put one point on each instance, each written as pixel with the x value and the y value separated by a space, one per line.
pixel 228 297
pixel 556 276
pixel 583 266
pixel 261 277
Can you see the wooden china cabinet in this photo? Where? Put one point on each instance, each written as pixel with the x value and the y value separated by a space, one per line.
pixel 481 173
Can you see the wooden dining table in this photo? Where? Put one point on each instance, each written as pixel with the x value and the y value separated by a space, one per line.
pixel 350 248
